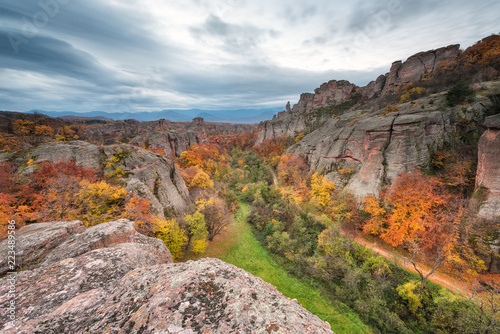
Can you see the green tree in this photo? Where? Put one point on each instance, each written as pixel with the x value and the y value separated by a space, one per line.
pixel 460 92
pixel 197 231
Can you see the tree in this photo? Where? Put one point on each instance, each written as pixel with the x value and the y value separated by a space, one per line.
pixel 292 169
pixel 375 223
pixel 416 203
pixel 217 215
pixel 460 92
pixel 321 190
pixel 172 235
pixel 197 231
pixel 100 201
pixel 60 196
pixel 137 209
pixel 195 177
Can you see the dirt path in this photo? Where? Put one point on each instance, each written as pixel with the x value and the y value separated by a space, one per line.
pixel 438 277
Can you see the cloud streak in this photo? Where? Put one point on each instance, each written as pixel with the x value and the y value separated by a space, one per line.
pixel 126 56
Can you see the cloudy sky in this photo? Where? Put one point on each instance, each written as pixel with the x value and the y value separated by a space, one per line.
pixel 125 55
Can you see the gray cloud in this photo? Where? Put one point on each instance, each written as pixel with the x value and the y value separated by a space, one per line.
pixel 122 56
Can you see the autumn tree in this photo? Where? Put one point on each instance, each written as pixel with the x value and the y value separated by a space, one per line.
pixel 321 190
pixel 197 231
pixel 100 201
pixel 217 215
pixel 137 209
pixel 272 149
pixel 415 214
pixel 195 177
pixel 172 235
pixel 292 169
pixel 66 133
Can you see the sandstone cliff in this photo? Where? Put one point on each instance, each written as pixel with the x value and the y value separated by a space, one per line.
pixel 149 175
pixel 337 96
pixel 171 143
pixel 488 169
pixel 377 147
pixel 109 278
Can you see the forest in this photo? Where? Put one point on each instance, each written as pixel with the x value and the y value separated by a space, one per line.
pixel 304 222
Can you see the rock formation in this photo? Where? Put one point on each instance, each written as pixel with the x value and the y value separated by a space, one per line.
pixel 149 175
pixel 109 278
pixel 333 93
pixel 488 169
pixel 414 68
pixel 170 142
pixel 379 147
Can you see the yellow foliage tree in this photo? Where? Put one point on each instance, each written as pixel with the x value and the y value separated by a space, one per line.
pixel 172 235
pixel 375 223
pixel 197 231
pixel 321 190
pixel 407 292
pixel 201 180
pixel 100 201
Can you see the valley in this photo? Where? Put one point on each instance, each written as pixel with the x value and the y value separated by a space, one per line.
pixel 365 209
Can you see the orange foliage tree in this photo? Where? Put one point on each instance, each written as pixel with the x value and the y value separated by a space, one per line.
pixel 272 149
pixel 418 214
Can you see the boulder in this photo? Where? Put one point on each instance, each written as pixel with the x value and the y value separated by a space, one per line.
pixel 103 236
pixel 35 241
pixel 171 143
pixel 111 279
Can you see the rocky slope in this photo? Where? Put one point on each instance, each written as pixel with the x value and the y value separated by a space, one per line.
pixel 149 175
pixel 109 278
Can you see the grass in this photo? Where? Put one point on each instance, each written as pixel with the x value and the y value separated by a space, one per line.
pixel 240 247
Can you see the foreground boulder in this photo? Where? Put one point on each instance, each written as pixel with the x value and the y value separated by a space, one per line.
pixel 109 278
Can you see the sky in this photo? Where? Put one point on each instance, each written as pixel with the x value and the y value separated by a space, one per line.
pixel 128 56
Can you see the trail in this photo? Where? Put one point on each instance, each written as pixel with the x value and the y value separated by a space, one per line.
pixel 439 278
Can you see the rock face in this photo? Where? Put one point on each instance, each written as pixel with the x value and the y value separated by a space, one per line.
pixel 34 242
pixel 111 279
pixel 379 147
pixel 488 170
pixel 171 143
pixel 110 133
pixel 149 175
pixel 334 92
pixel 414 68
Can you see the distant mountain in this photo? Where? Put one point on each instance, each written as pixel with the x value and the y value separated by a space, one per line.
pixel 175 115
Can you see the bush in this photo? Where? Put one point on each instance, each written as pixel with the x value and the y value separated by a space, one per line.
pixel 459 93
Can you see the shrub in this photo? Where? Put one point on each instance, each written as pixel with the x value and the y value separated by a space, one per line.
pixel 459 93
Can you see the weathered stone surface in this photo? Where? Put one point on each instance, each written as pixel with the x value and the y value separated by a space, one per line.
pixel 129 286
pixel 379 147
pixel 34 242
pixel 103 236
pixel 392 76
pixel 333 92
pixel 159 175
pixel 488 169
pixel 172 143
pixel 414 68
pixel 84 154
